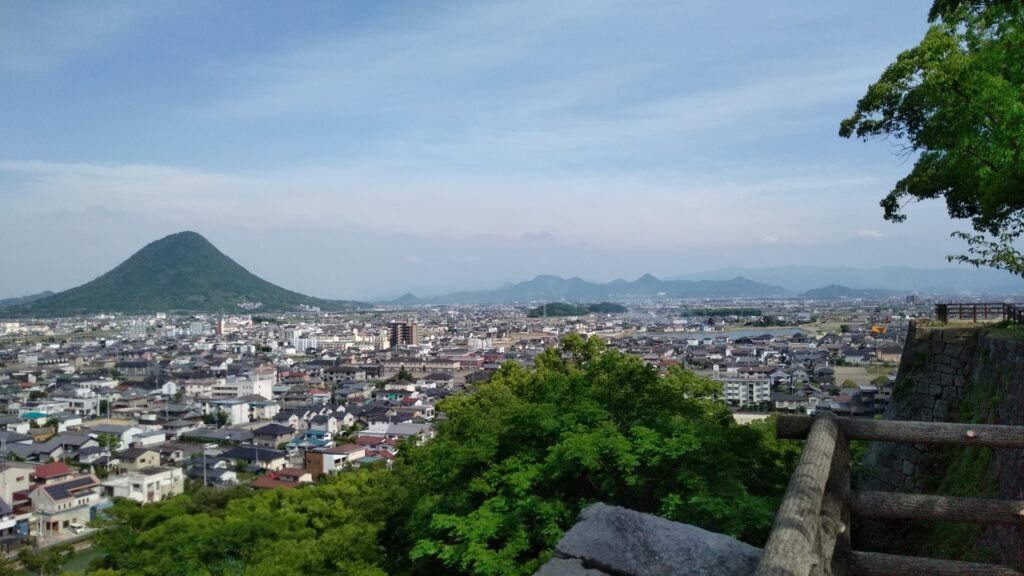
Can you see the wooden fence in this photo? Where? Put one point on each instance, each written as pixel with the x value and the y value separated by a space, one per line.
pixel 979 311
pixel 811 532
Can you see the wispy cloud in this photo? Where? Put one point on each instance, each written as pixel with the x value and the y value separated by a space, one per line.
pixel 870 234
pixel 42 37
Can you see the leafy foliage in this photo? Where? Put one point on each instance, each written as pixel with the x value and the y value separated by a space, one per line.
pixel 957 101
pixel 330 528
pixel 45 561
pixel 491 494
pixel 519 459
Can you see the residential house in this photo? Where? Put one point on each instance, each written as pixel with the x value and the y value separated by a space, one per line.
pixel 147 485
pixel 272 435
pixel 258 457
pixel 66 504
pixel 319 461
pixel 138 458
pixel 283 478
pixel 123 434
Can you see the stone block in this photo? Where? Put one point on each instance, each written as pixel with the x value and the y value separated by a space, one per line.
pixel 627 543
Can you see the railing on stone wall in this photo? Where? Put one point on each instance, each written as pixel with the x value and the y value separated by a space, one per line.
pixel 979 311
pixel 811 532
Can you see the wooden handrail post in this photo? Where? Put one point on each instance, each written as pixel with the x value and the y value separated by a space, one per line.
pixel 835 509
pixel 794 547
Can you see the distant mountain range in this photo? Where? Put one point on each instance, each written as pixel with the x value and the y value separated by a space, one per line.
pixel 812 282
pixel 184 272
pixel 946 281
pixel 547 287
pixel 181 272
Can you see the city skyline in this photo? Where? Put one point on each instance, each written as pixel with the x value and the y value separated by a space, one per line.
pixel 354 151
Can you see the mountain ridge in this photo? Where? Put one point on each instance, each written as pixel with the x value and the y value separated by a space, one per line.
pixel 555 288
pixel 946 280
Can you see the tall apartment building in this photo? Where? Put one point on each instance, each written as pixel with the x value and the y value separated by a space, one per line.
pixel 743 391
pixel 402 334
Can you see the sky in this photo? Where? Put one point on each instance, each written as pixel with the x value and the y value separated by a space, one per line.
pixel 364 149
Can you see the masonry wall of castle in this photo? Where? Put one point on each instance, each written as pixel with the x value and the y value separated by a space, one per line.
pixel 957 373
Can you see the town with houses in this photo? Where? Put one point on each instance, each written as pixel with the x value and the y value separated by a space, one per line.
pixel 143 407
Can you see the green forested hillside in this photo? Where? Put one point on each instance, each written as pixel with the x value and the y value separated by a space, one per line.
pixel 182 271
pixel 563 309
pixel 504 478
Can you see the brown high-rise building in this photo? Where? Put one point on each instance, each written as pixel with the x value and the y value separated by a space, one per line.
pixel 402 334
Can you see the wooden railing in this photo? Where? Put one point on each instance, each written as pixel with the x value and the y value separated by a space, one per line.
pixel 811 532
pixel 979 311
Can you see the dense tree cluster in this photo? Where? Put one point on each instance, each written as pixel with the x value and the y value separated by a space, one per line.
pixel 956 102
pixel 497 487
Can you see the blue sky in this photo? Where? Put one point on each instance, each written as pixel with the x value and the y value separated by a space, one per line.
pixel 356 149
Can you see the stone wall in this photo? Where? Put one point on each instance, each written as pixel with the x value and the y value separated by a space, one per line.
pixel 958 373
pixel 931 382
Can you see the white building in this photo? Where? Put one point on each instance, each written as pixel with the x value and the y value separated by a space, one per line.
pixel 147 485
pixel 259 381
pixel 741 391
pixel 236 410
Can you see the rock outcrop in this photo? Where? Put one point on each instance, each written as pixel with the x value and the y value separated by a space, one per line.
pixel 613 541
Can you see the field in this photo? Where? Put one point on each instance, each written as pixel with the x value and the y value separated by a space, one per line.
pixel 861 374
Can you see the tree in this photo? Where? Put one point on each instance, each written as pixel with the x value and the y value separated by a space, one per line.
pixel 6 567
pixel 956 100
pixel 404 375
pixel 844 328
pixel 517 460
pixel 36 395
pixel 104 405
pixel 218 418
pixel 108 440
pixel 45 561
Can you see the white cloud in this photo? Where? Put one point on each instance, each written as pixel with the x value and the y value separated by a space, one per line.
pixel 870 234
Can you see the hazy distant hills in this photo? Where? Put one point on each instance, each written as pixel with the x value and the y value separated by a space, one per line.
pixel 834 292
pixel 181 272
pixel 949 281
pixel 547 287
pixel 24 299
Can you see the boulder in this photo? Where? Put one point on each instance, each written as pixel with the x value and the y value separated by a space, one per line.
pixel 613 540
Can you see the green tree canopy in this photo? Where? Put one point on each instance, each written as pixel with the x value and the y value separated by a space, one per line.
pixel 45 561
pixel 956 101
pixel 518 460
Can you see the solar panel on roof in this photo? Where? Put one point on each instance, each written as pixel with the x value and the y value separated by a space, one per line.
pixel 62 491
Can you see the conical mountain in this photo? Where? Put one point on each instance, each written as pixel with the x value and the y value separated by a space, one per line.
pixel 180 272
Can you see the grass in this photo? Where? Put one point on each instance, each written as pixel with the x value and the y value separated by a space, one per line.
pixel 822 327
